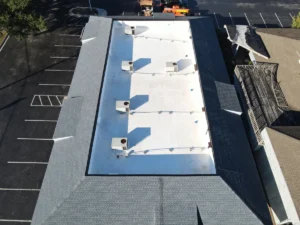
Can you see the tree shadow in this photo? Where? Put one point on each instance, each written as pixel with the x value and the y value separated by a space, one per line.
pixel 13 103
pixel 33 74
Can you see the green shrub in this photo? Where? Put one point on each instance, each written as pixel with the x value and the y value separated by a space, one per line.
pixel 296 21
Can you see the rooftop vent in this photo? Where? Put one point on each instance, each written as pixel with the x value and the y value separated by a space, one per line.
pixel 122 106
pixel 127 66
pixel 119 143
pixel 171 67
pixel 129 30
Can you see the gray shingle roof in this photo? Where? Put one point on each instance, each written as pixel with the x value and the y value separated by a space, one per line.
pixel 69 196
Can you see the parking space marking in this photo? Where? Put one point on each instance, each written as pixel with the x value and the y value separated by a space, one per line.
pixel 291 16
pixel 247 19
pixel 50 121
pixel 42 104
pixel 231 19
pixel 69 35
pixel 263 20
pixel 15 221
pixel 4 43
pixel 68 46
pixel 278 20
pixel 18 189
pixel 35 139
pixel 63 57
pixel 82 32
pixel 51 70
pixel 67 85
pixel 20 162
pixel 58 100
pixel 217 20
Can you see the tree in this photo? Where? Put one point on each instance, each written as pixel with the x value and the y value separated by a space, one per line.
pixel 296 21
pixel 17 18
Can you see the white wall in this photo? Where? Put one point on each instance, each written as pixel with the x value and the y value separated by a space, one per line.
pixel 284 192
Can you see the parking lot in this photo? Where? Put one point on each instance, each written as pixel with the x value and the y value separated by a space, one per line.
pixel 260 20
pixel 39 74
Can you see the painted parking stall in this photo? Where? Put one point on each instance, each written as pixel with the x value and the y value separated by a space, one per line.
pixel 260 19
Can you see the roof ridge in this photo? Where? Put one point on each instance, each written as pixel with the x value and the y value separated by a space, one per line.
pixel 265 31
pixel 63 200
pixel 283 134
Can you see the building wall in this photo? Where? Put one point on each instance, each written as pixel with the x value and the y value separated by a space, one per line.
pixel 275 185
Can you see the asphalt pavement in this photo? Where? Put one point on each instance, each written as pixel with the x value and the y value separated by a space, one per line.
pixel 35 77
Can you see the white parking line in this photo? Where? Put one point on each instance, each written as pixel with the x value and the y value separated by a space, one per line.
pixel 278 20
pixel 4 43
pixel 35 139
pixel 69 35
pixel 50 121
pixel 291 15
pixel 21 162
pixel 42 104
pixel 82 32
pixel 67 85
pixel 50 100
pixel 58 100
pixel 217 20
pixel 51 70
pixel 18 189
pixel 15 221
pixel 68 46
pixel 231 19
pixel 247 19
pixel 63 57
pixel 263 20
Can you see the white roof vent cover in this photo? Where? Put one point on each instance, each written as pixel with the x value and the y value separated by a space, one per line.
pixel 171 67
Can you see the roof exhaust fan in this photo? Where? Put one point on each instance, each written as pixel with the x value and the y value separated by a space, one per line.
pixel 129 30
pixel 171 67
pixel 127 66
pixel 119 143
pixel 123 106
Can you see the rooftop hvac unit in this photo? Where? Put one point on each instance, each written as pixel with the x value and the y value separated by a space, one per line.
pixel 119 143
pixel 127 66
pixel 122 106
pixel 171 67
pixel 129 30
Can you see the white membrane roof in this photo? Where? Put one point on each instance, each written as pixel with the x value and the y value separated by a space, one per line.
pixel 166 127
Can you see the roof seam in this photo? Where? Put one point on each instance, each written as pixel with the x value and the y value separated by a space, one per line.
pixel 64 199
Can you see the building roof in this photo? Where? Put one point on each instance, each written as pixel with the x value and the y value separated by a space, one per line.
pixel 284 50
pixel 166 123
pixel 70 196
pixel 292 33
pixel 292 131
pixel 264 95
pixel 246 37
pixel 287 150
